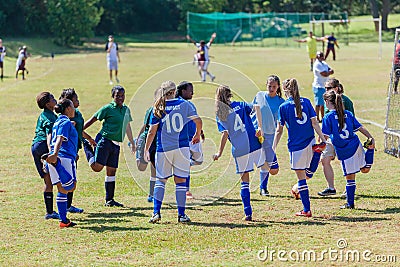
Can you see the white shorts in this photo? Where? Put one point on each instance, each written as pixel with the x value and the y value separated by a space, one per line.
pixel 301 159
pixel 196 153
pixel 174 162
pixel 69 166
pixel 355 162
pixel 204 65
pixel 329 151
pixel 246 162
pixel 112 64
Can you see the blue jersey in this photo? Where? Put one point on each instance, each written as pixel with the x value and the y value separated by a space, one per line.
pixel 269 107
pixel 345 141
pixel 191 124
pixel 173 129
pixel 63 127
pixel 242 134
pixel 300 131
pixel 331 41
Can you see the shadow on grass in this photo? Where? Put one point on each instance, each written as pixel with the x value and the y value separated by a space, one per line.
pixel 379 197
pixel 103 228
pixel 357 219
pixel 385 211
pixel 123 212
pixel 231 225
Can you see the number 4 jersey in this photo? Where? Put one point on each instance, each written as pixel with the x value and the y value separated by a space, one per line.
pixel 242 134
pixel 172 132
pixel 345 141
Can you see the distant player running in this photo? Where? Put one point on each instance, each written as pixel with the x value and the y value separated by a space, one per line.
pixel 340 126
pixel 170 120
pixel 203 57
pixel 299 117
pixel 234 122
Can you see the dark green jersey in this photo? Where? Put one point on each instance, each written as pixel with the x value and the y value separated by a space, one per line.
pixel 44 125
pixel 115 120
pixel 79 121
pixel 348 105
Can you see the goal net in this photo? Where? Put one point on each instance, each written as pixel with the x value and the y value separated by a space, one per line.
pixel 392 124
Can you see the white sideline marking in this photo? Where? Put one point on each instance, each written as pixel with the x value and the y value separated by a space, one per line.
pixel 372 122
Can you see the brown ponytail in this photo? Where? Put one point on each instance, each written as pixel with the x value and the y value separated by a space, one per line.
pixel 291 86
pixel 222 103
pixel 166 89
pixel 336 100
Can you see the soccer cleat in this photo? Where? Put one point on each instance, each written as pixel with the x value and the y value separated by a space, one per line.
pixel 66 224
pixel 248 218
pixel 296 195
pixel 212 78
pixel 111 82
pixel 113 203
pixel 347 206
pixel 73 209
pixel 150 199
pixel 183 218
pixel 327 192
pixel 189 195
pixel 319 147
pixel 53 215
pixel 304 213
pixel 368 143
pixel 156 217
pixel 264 192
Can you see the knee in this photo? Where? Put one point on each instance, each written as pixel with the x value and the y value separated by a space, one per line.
pixel 96 168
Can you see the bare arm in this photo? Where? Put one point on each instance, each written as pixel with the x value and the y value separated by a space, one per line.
pixel 89 138
pixel 365 132
pixel 199 126
pixel 190 39
pixel 89 122
pixel 213 37
pixel 53 157
pixel 48 140
pixel 130 137
pixel 317 129
pixel 149 140
pixel 259 131
pixel 301 41
pixel 278 135
pixel 224 138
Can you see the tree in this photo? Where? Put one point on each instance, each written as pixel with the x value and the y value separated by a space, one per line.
pixel 70 20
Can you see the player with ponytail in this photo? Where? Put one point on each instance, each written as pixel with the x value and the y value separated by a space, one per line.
pixel 300 119
pixel 340 126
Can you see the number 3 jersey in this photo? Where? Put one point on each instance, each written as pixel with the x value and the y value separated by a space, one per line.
pixel 345 141
pixel 300 131
pixel 172 132
pixel 242 134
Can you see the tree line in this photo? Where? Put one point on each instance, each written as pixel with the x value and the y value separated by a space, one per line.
pixel 70 20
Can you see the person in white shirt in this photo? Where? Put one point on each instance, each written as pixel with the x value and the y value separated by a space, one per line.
pixel 112 58
pixel 2 55
pixel 321 72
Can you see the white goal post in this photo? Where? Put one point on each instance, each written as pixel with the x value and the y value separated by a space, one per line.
pixel 354 20
pixel 392 123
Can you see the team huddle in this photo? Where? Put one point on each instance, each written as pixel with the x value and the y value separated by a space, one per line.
pixel 171 140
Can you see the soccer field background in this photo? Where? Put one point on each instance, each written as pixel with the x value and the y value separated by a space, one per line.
pixel 217 235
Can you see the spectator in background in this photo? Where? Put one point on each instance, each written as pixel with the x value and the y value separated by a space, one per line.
pixel 331 42
pixel 112 58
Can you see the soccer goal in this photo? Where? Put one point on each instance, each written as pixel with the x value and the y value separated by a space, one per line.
pixel 348 27
pixel 392 124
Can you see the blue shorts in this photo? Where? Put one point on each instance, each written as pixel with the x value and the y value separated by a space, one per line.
pixel 318 95
pixel 270 156
pixel 38 149
pixel 106 153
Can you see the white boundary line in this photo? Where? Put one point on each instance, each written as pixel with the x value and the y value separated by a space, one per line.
pixel 372 122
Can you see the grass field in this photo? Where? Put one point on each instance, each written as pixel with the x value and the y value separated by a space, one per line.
pixel 217 236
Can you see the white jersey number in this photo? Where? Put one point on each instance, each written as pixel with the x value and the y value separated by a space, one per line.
pixel 238 125
pixel 304 120
pixel 344 133
pixel 175 122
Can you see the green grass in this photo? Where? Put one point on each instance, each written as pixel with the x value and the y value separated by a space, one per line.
pixel 217 236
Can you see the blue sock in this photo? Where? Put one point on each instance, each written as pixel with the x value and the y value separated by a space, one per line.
pixel 159 191
pixel 188 183
pixel 304 194
pixel 62 206
pixel 274 164
pixel 180 194
pixel 264 175
pixel 245 194
pixel 369 158
pixel 350 191
pixel 313 164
